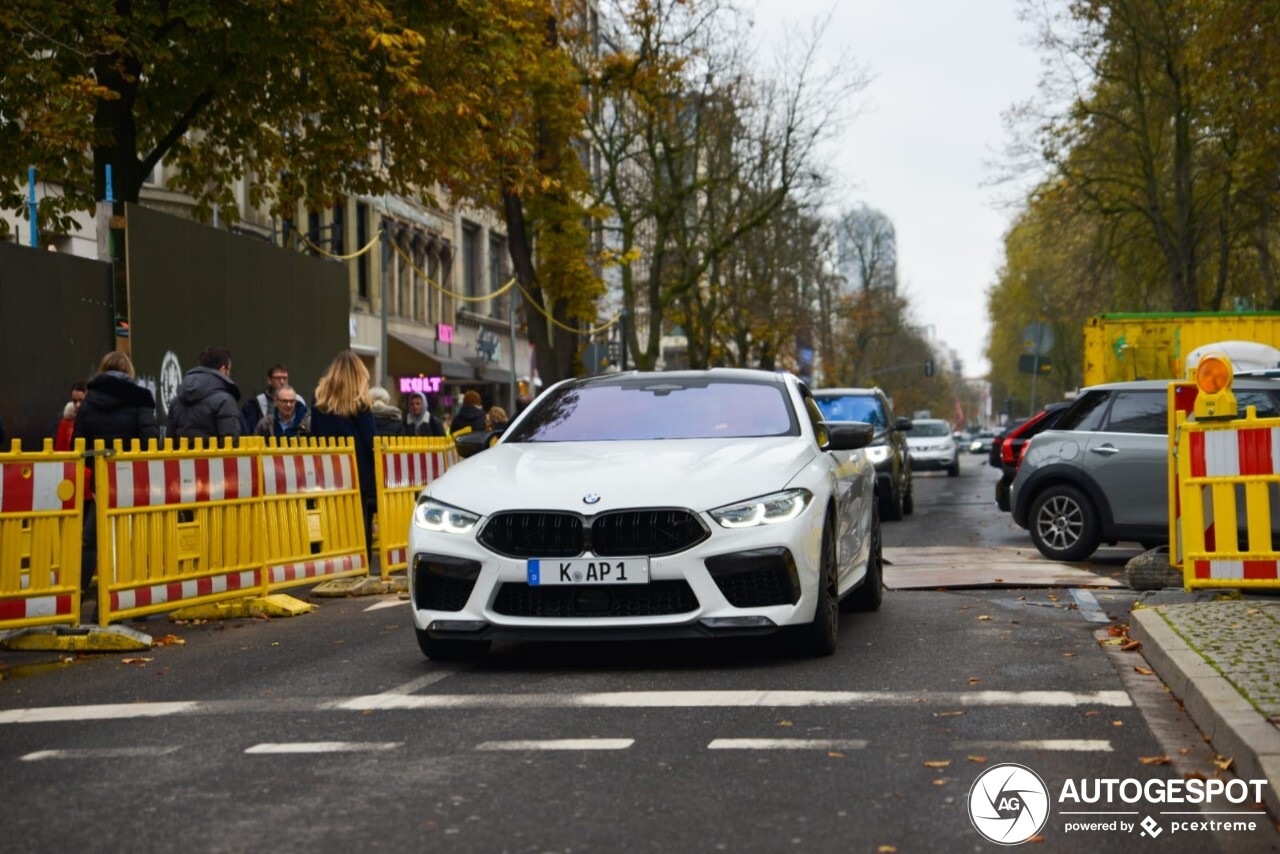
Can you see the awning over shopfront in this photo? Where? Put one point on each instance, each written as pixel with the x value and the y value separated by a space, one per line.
pixel 410 355
pixel 491 373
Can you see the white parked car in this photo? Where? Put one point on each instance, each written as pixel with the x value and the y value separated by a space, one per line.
pixel 933 447
pixel 665 505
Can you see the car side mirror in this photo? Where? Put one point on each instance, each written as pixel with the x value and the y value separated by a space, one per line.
pixel 903 423
pixel 470 444
pixel 848 435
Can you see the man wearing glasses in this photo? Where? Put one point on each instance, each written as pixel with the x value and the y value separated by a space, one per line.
pixel 289 418
pixel 260 406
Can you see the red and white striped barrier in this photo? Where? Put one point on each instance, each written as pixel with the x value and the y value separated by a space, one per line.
pixel 285 474
pixel 37 487
pixel 154 483
pixel 404 466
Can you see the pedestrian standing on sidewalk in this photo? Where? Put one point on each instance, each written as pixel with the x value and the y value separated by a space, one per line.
pixel 419 421
pixel 115 408
pixel 387 420
pixel 259 406
pixel 205 405
pixel 470 417
pixel 343 408
pixel 66 426
pixel 289 418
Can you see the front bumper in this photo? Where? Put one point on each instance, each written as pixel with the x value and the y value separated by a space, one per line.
pixel 736 582
pixel 924 460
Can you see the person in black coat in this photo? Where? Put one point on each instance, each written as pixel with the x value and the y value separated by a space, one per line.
pixel 343 408
pixel 387 420
pixel 205 406
pixel 115 408
pixel 419 421
pixel 470 416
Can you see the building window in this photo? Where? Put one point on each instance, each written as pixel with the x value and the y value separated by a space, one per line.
pixel 497 275
pixel 313 232
pixel 362 263
pixel 471 260
pixel 338 229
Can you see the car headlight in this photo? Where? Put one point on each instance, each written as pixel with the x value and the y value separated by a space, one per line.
pixel 878 453
pixel 433 515
pixel 765 510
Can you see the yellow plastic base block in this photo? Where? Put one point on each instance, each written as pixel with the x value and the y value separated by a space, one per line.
pixel 275 605
pixel 76 639
pixel 374 586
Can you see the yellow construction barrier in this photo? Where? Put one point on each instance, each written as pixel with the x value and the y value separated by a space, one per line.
pixel 314 521
pixel 41 506
pixel 178 525
pixel 1228 472
pixel 404 465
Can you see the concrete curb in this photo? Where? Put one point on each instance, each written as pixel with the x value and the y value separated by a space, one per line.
pixel 1234 727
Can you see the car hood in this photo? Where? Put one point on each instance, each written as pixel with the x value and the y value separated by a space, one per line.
pixel 700 474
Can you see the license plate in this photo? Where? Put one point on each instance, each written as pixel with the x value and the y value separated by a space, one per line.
pixel 629 570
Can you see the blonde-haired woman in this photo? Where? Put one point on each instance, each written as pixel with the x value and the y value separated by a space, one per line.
pixel 115 407
pixel 343 408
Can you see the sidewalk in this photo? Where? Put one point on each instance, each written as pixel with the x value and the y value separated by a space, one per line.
pixel 1222 660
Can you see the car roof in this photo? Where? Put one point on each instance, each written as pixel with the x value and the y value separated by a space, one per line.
pixel 731 374
pixel 930 421
pixel 848 392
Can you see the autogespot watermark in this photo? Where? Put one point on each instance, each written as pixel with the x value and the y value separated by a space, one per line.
pixel 1010 804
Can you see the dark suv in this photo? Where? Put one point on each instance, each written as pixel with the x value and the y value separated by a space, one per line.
pixel 888 450
pixel 1101 474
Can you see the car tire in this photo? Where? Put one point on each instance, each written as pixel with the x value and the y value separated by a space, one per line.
pixel 908 501
pixel 869 595
pixel 891 505
pixel 439 649
pixel 819 637
pixel 953 470
pixel 1064 524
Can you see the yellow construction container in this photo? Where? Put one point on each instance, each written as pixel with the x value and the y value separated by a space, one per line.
pixel 1120 347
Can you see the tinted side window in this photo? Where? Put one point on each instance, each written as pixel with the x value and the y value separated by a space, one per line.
pixel 1086 413
pixel 1139 412
pixel 1265 401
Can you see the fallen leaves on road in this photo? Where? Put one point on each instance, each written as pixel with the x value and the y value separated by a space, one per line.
pixel 1131 646
pixel 978 759
pixel 886 849
pixel 169 640
pixel 1117 723
pixel 1092 713
pixel 1039 837
pixel 940 782
pixel 937 763
pixel 974 680
pixel 1068 655
pixel 832 754
pixel 984 618
pixel 1145 671
pixel 1154 760
pixel 1117 631
pixel 1111 641
pixel 948 714
pixel 1223 763
pixel 785 723
pixel 136 660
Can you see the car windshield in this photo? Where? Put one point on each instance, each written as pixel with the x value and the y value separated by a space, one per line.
pixel 853 407
pixel 656 408
pixel 929 430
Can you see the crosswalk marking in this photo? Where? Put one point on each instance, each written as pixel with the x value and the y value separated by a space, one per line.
pixel 400 698
pixel 728 699
pixel 787 744
pixel 1085 745
pixel 559 744
pixel 97 753
pixel 325 747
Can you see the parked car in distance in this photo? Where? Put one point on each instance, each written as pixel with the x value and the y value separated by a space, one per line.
pixel 1006 451
pixel 932 446
pixel 678 504
pixel 1101 474
pixel 888 450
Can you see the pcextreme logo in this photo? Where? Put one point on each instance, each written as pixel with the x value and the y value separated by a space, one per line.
pixel 1008 804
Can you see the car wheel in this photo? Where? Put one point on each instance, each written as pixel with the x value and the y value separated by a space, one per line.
pixel 953 470
pixel 1064 525
pixel 891 505
pixel 439 649
pixel 819 637
pixel 869 595
pixel 908 501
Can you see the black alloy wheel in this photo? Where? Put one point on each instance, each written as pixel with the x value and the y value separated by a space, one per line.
pixel 869 596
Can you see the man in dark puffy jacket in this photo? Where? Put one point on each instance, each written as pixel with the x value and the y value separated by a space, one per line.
pixel 205 406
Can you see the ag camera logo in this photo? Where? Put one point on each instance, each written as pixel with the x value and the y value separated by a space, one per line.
pixel 1008 804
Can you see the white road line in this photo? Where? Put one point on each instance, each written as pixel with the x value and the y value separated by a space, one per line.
pixel 1078 745
pixel 391 603
pixel 787 744
pixel 97 753
pixel 325 747
pixel 725 699
pixel 1088 606
pixel 56 714
pixel 442 671
pixel 560 744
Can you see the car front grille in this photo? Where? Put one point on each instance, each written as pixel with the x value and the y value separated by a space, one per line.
pixel 621 533
pixel 657 598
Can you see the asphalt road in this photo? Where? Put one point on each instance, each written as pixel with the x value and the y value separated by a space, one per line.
pixel 330 732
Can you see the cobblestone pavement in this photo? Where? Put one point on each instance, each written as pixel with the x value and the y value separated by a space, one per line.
pixel 1241 640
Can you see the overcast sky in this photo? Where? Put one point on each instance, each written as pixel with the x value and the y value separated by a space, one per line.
pixel 943 72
